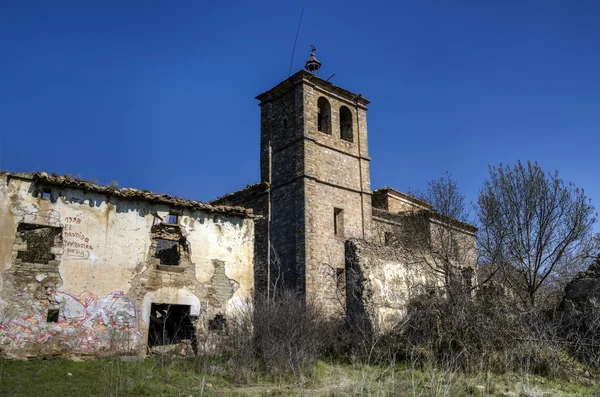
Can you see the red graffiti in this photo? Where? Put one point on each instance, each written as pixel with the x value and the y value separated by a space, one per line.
pixel 85 322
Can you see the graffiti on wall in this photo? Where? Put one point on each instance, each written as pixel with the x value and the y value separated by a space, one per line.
pixel 85 322
pixel 76 243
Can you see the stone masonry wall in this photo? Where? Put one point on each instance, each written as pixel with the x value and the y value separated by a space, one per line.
pixel 282 121
pixel 395 202
pixel 337 177
pixel 310 173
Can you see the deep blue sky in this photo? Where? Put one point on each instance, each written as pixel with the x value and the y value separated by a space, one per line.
pixel 160 95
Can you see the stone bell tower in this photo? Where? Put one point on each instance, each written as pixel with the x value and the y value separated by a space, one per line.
pixel 314 158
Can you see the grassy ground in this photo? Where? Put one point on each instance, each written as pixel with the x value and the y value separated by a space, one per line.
pixel 188 377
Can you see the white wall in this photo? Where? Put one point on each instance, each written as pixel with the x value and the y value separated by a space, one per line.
pixel 108 274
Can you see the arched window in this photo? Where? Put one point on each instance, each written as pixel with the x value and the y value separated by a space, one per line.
pixel 346 124
pixel 324 116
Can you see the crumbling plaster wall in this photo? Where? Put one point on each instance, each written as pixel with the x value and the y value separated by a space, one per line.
pixel 104 275
pixel 380 282
pixel 254 197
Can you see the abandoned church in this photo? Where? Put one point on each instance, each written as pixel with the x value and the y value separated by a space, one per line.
pixel 87 269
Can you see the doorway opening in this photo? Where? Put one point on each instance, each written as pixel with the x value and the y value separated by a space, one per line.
pixel 170 324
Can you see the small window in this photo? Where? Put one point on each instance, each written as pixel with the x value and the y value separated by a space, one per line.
pixel 346 124
pixel 284 123
pixel 52 316
pixel 168 252
pixel 219 323
pixel 47 194
pixel 324 116
pixel 173 219
pixel 338 222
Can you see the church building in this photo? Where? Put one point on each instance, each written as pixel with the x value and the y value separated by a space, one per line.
pixel 315 200
pixel 88 269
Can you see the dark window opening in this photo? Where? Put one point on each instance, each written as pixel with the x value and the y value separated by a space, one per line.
pixel 173 219
pixel 170 324
pixel 346 124
pixel 219 323
pixel 39 240
pixel 168 252
pixel 47 194
pixel 284 123
pixel 52 316
pixel 338 222
pixel 324 116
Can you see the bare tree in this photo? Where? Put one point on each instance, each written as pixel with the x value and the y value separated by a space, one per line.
pixel 436 234
pixel 531 224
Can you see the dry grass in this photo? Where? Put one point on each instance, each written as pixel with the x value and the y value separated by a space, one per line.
pixel 184 377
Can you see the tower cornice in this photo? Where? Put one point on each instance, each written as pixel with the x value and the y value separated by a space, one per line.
pixel 304 77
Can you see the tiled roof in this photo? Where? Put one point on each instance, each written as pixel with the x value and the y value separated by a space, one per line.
pixel 256 188
pixel 127 193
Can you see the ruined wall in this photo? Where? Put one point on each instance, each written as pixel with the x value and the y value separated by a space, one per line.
pixel 416 252
pixel 380 282
pixel 254 197
pixel 80 269
pixel 427 231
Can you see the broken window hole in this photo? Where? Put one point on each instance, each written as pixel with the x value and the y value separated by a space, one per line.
pixel 39 240
pixel 52 315
pixel 47 194
pixel 170 324
pixel 173 219
pixel 219 323
pixel 168 252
